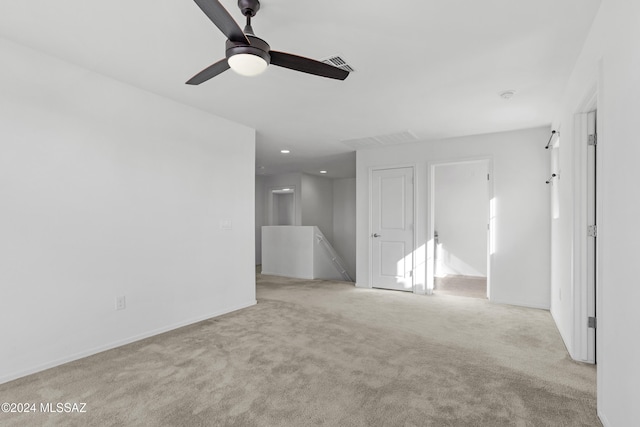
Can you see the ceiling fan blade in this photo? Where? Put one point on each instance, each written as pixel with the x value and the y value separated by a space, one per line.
pixel 219 16
pixel 209 72
pixel 307 65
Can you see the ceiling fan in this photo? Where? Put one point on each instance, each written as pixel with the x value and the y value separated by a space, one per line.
pixel 249 55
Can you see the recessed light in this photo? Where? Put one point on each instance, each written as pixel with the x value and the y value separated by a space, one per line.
pixel 323 171
pixel 285 151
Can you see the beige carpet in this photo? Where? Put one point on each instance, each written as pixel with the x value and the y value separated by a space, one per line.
pixel 461 286
pixel 327 353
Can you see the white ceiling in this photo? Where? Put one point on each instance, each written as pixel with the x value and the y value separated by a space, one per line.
pixel 432 67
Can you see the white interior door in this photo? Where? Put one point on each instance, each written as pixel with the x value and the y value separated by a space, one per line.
pixel 392 229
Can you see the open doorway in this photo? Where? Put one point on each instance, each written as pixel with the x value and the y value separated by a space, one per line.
pixel 283 206
pixel 460 224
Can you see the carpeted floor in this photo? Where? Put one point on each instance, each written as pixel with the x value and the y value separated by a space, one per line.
pixel 319 352
pixel 461 286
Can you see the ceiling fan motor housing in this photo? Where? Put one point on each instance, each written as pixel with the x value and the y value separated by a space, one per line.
pixel 249 7
pixel 258 47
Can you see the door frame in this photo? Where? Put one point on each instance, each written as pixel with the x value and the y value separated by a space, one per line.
pixel 431 196
pixel 585 301
pixel 413 167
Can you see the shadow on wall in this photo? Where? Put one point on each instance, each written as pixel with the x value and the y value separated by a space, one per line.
pixel 447 263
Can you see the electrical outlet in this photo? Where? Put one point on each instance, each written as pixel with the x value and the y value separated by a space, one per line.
pixel 121 303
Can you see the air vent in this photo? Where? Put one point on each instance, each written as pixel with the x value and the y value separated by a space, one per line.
pixel 338 62
pixel 387 139
pixel 397 138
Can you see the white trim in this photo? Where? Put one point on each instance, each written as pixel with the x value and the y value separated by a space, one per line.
pixel 590 101
pixel 603 419
pixel 582 345
pixel 266 273
pixel 120 343
pixel 579 256
pixel 600 349
pixel 520 304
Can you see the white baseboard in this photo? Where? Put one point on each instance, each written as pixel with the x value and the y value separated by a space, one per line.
pixel 567 343
pixel 266 273
pixel 603 419
pixel 521 304
pixel 119 343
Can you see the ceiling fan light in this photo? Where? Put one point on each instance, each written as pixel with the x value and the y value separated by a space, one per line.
pixel 247 64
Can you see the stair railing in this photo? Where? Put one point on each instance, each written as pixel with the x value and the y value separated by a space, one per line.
pixel 333 255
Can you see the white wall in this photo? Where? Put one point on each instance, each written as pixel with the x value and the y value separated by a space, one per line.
pixel 105 191
pixel 313 201
pixel 520 264
pixel 317 204
pixel 297 251
pixel 288 251
pixel 344 222
pixel 259 216
pixel 265 184
pixel 461 218
pixel 610 62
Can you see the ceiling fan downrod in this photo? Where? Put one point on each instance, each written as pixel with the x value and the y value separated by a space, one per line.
pixel 249 8
pixel 248 29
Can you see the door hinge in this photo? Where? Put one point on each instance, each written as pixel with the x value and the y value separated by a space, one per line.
pixel 592 231
pixel 488 177
pixel 593 139
pixel 592 322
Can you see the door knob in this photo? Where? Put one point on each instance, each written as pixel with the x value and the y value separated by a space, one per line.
pixel 376 235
